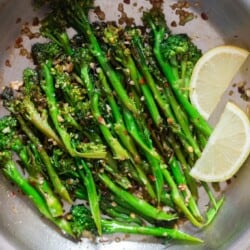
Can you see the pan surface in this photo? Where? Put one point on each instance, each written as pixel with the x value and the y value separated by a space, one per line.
pixel 215 23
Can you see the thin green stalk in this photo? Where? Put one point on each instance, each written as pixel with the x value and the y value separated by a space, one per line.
pixel 82 24
pixel 138 204
pixel 164 106
pixel 139 82
pixel 185 167
pixel 114 227
pixel 183 187
pixel 124 136
pixel 11 172
pixel 118 150
pixel 38 121
pixel 111 167
pixel 43 187
pixel 178 199
pixel 195 117
pixel 119 126
pixel 182 120
pixel 29 160
pixel 93 198
pixel 55 180
pixel 150 153
pixel 96 151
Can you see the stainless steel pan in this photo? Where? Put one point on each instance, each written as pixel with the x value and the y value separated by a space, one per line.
pixel 21 226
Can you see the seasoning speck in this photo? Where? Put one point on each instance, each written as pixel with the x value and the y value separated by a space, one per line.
pixel 18 20
pixel 204 16
pixel 7 63
pixel 173 24
pixel 35 21
pixel 100 14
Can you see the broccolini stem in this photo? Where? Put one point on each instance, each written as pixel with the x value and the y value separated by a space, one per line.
pixel 195 117
pixel 178 200
pixel 11 172
pixel 119 124
pixel 37 179
pixel 150 153
pixel 119 213
pixel 182 120
pixel 87 177
pixel 54 205
pixel 164 106
pixel 40 123
pixel 48 87
pixel 117 149
pixel 124 135
pixel 140 83
pixel 138 204
pixel 82 24
pixel 185 167
pixel 182 185
pixel 55 180
pixel 216 205
pixel 115 226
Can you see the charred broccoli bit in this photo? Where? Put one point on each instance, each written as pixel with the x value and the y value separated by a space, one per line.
pixel 104 119
pixel 41 52
pixel 54 28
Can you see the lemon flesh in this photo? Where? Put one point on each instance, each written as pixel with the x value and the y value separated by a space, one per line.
pixel 227 147
pixel 212 75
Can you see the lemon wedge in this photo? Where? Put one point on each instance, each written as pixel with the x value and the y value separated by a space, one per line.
pixel 227 147
pixel 212 75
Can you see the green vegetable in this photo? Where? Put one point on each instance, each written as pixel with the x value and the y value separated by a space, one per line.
pixel 104 117
pixel 82 221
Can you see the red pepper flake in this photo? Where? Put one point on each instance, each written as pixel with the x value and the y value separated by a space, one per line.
pixel 166 84
pixel 204 16
pixel 18 42
pixel 125 132
pixel 151 177
pixel 7 63
pixel 142 81
pixel 126 1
